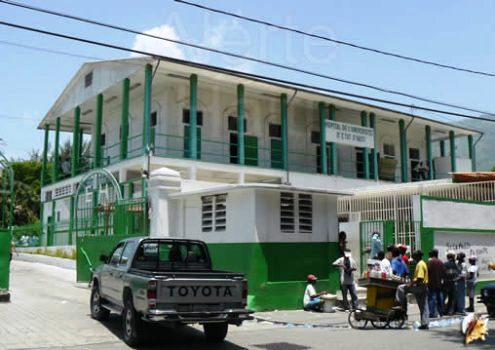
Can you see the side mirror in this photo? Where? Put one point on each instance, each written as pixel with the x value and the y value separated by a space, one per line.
pixel 124 260
pixel 103 258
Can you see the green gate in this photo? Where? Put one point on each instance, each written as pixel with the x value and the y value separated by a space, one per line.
pixel 5 239
pixel 102 218
pixel 391 232
pixel 6 218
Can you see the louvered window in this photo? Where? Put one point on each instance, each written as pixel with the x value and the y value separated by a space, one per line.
pixel 214 213
pixel 296 212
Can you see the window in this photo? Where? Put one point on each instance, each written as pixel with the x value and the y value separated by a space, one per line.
pixel 58 216
pixel 153 119
pixel 232 123
pixel 88 79
pixel 315 137
pixel 103 139
pixel 48 196
pixel 114 260
pixel 127 253
pixel 414 159
pixel 185 117
pixel 296 212
pixel 388 151
pixel 214 213
pixel 275 130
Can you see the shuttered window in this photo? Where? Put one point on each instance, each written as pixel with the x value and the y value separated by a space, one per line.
pixel 296 212
pixel 214 213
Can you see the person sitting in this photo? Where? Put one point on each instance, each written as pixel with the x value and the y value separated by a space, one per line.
pixel 311 299
pixel 399 267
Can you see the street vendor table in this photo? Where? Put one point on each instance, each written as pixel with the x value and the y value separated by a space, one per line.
pixel 380 293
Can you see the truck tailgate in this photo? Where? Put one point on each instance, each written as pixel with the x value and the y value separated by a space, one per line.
pixel 199 291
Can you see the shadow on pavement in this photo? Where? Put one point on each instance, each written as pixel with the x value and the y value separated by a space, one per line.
pixel 159 337
pixel 455 336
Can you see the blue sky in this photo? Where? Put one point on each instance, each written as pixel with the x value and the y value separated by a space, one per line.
pixel 459 33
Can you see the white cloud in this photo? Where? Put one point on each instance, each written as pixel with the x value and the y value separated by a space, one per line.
pixel 157 46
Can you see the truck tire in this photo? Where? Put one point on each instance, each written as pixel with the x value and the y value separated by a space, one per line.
pixel 216 332
pixel 98 312
pixel 132 325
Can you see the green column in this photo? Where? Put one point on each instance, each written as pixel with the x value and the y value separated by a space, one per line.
pixel 99 121
pixel 429 152
pixel 240 124
pixel 453 165
pixel 285 131
pixel 472 152
pixel 56 161
pixel 44 165
pixel 323 139
pixel 333 145
pixel 71 220
pixel 366 165
pixel 403 151
pixel 442 148
pixel 373 151
pixel 124 119
pixel 148 74
pixel 193 115
pixel 75 143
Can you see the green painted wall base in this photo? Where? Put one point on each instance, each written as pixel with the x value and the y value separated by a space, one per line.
pixel 5 238
pixel 277 272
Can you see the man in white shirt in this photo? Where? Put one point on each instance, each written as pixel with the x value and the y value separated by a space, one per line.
pixel 311 299
pixel 347 266
pixel 472 276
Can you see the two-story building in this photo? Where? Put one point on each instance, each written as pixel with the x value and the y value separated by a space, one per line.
pixel 251 166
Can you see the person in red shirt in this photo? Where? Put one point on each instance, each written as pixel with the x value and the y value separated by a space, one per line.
pixel 403 250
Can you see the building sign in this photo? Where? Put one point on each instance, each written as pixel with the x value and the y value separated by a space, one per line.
pixel 350 134
pixel 471 243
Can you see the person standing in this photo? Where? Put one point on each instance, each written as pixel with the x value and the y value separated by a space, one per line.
pixel 449 282
pixel 311 299
pixel 435 276
pixel 399 267
pixel 347 266
pixel 472 276
pixel 461 284
pixel 418 287
pixel 342 242
pixel 376 245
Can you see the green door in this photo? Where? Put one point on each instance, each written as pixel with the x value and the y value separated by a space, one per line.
pixel 251 150
pixel 276 154
pixel 187 154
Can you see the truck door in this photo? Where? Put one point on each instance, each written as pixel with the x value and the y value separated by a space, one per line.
pixel 107 275
pixel 121 269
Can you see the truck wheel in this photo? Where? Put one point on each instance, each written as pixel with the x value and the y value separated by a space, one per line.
pixel 131 324
pixel 216 332
pixel 98 312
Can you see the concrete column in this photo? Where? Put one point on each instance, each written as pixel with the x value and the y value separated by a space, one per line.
pixel 56 161
pixel 162 183
pixel 373 151
pixel 193 116
pixel 453 164
pixel 333 145
pixel 285 131
pixel 76 138
pixel 240 124
pixel 403 151
pixel 148 76
pixel 44 165
pixel 323 139
pixel 429 152
pixel 366 165
pixel 97 141
pixel 124 119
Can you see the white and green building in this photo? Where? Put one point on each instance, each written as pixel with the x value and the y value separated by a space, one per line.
pixel 253 167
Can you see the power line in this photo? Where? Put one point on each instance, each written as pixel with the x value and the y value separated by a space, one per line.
pixel 205 48
pixel 341 42
pixel 234 72
pixel 42 49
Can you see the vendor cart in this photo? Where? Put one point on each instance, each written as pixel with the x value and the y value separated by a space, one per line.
pixel 381 309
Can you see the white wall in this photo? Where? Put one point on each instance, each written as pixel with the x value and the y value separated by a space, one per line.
pixel 458 215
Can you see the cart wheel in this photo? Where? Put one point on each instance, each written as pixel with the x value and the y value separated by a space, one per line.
pixel 356 319
pixel 397 323
pixel 380 324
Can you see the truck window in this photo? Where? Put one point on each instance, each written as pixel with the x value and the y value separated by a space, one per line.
pixel 171 255
pixel 127 253
pixel 114 260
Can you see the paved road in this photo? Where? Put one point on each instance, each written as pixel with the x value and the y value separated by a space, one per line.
pixel 49 311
